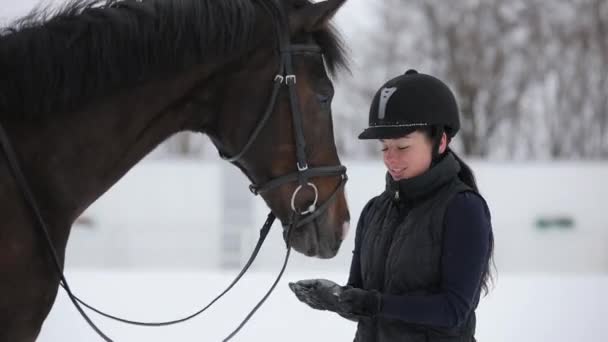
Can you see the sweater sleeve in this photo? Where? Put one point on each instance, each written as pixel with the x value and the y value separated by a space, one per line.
pixel 466 244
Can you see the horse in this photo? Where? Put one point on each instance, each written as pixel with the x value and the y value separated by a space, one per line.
pixel 88 90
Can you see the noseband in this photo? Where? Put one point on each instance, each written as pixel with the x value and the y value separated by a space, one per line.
pixel 304 172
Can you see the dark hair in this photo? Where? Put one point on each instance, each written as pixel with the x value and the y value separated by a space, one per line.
pixel 466 175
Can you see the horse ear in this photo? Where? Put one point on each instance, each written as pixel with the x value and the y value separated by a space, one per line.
pixel 313 17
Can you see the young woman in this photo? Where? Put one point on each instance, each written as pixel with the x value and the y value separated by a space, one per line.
pixel 423 247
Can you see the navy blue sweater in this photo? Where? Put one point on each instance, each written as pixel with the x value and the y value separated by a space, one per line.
pixel 466 243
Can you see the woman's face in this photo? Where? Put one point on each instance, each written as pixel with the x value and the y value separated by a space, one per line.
pixel 410 155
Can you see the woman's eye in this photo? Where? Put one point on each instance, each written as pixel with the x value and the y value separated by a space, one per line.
pixel 403 147
pixel 384 149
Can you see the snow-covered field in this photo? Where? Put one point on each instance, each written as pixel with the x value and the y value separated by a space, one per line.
pixel 521 308
pixel 551 284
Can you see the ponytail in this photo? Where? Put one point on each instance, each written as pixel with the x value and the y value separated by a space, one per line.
pixel 467 176
pixel 435 133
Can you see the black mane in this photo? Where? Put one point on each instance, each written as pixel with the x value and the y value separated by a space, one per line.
pixel 55 61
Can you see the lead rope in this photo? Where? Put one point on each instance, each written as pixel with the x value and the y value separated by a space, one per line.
pixel 22 183
pixel 290 228
pixel 28 196
pixel 263 234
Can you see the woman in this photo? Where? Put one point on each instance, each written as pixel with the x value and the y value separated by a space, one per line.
pixel 423 247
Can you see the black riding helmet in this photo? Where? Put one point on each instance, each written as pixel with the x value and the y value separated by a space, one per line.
pixel 409 102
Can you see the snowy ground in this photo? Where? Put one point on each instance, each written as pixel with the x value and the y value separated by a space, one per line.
pixel 521 308
pixel 549 287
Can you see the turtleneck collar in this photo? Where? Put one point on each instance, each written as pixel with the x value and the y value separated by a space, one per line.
pixel 421 186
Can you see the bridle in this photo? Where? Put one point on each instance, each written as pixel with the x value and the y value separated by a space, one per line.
pixel 304 173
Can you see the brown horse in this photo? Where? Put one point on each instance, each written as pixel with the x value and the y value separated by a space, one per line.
pixel 87 92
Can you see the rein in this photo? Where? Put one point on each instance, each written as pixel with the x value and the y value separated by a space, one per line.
pixel 285 77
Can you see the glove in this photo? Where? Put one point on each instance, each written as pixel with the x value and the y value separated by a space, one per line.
pixel 359 302
pixel 319 294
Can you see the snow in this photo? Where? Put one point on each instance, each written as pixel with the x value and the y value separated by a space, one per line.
pixel 163 264
pixel 521 308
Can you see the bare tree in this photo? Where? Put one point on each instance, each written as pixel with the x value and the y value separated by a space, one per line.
pixel 599 10
pixel 473 46
pixel 375 53
pixel 573 45
pixel 531 77
pixel 479 47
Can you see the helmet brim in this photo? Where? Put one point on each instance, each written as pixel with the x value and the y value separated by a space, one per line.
pixel 386 132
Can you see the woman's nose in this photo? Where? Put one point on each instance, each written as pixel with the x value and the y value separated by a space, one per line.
pixel 389 156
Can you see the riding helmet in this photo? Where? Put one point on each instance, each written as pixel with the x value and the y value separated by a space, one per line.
pixel 411 101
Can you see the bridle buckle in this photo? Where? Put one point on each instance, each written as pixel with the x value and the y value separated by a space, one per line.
pixel 290 79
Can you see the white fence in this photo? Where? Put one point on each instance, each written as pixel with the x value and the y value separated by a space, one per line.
pixel 199 215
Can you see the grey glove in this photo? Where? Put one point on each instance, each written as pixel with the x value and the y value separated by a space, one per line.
pixel 360 302
pixel 319 294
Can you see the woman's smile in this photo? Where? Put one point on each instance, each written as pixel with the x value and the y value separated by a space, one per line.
pixel 397 173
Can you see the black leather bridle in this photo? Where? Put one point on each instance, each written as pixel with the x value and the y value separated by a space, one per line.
pixel 304 173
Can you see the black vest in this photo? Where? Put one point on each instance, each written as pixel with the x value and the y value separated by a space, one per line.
pixel 400 251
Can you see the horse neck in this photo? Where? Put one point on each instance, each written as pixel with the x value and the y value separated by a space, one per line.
pixel 72 159
pixel 80 155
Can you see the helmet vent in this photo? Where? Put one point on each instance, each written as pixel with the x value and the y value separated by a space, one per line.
pixel 385 95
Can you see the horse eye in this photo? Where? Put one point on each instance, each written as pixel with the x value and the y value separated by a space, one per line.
pixel 323 99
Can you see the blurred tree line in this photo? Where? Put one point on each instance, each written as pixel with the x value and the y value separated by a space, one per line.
pixel 531 76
